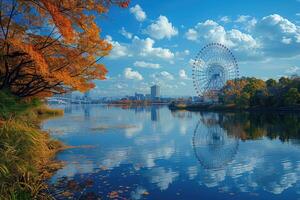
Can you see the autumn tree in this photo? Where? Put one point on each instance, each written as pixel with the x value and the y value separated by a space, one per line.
pixel 233 90
pixel 252 92
pixel 51 46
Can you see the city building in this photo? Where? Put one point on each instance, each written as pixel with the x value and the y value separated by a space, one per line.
pixel 155 92
pixel 148 97
pixel 139 96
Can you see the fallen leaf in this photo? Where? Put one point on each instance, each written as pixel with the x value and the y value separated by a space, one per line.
pixel 113 195
pixel 67 194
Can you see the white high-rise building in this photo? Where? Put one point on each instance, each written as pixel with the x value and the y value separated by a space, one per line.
pixel 155 91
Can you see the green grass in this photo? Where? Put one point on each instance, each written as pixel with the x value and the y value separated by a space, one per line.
pixel 12 107
pixel 45 112
pixel 26 152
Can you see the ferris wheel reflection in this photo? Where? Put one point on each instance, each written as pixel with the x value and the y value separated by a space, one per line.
pixel 213 146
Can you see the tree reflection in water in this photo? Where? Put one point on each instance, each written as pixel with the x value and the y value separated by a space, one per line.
pixel 253 126
pixel 216 144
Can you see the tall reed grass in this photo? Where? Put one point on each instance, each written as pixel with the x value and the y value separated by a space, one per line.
pixel 26 152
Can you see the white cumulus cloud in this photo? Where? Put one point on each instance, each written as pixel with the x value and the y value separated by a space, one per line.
pixel 145 47
pixel 167 75
pixel 244 45
pixel 118 49
pixel 146 65
pixel 272 36
pixel 138 12
pixel 242 18
pixel 125 33
pixel 139 48
pixel 133 75
pixel 161 76
pixel 161 28
pixel 248 22
pixel 279 36
pixel 225 19
pixel 293 70
pixel 182 74
pixel 286 40
pixel 191 34
pixel 211 31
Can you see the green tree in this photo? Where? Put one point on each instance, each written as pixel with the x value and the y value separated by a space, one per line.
pixel 250 92
pixel 292 97
pixel 271 83
pixel 254 85
pixel 259 98
pixel 243 100
pixel 284 81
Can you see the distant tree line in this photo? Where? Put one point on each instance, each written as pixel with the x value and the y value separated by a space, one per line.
pixel 251 92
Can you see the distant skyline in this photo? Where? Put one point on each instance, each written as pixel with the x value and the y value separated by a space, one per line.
pixel 154 41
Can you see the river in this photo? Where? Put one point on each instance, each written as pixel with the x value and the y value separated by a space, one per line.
pixel 153 153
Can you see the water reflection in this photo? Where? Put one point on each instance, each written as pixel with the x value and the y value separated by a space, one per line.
pixel 87 109
pixel 68 109
pixel 213 147
pixel 242 156
pixel 154 113
pixel 252 126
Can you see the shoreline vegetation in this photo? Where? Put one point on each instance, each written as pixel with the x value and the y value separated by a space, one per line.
pixel 230 108
pixel 26 152
pixel 251 94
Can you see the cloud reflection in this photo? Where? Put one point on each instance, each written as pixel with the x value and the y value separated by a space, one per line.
pixel 161 153
pixel 162 177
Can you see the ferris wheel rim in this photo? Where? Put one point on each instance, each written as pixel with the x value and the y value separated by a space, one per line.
pixel 222 56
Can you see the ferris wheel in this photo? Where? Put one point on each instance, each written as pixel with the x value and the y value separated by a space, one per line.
pixel 213 66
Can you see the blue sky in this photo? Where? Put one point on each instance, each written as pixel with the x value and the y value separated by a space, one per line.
pixel 155 40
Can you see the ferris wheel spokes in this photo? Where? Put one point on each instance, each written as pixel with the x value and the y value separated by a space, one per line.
pixel 213 66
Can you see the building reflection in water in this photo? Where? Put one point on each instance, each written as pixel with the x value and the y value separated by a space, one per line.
pixel 71 108
pixel 87 110
pixel 68 109
pixel 154 113
pixel 183 114
pixel 213 146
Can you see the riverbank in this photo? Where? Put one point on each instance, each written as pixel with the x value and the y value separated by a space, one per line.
pixel 231 108
pixel 26 152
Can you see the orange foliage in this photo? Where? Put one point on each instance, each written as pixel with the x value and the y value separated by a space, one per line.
pixel 34 54
pixel 234 87
pixel 55 49
pixel 61 22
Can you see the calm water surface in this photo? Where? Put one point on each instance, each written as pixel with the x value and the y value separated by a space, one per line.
pixel 153 153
